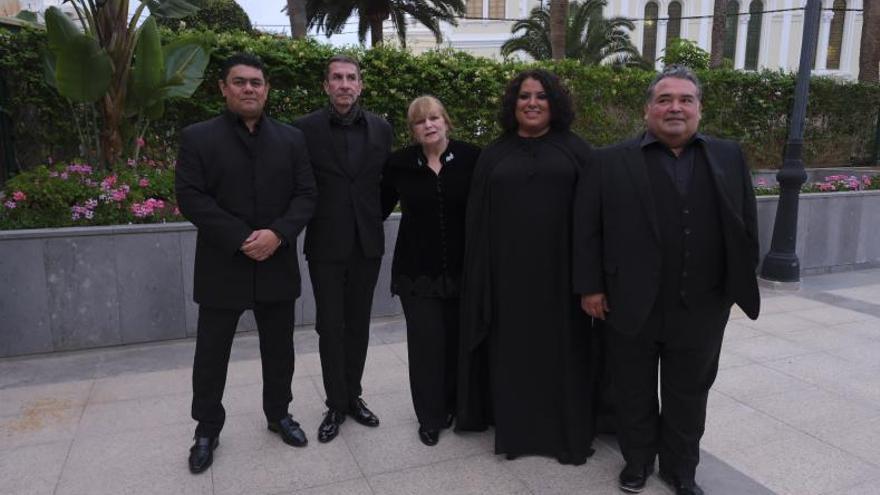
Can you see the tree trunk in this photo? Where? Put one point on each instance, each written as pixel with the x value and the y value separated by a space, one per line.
pixel 558 22
pixel 296 10
pixel 869 55
pixel 376 30
pixel 719 28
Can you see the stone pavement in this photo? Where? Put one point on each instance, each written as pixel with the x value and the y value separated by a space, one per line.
pixel 795 410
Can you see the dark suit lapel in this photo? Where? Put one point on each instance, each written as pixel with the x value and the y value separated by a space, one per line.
pixel 326 136
pixel 637 168
pixel 718 178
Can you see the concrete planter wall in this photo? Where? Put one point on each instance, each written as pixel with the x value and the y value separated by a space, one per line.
pixel 85 287
pixel 78 288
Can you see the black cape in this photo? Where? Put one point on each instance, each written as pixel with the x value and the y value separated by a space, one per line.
pixel 525 350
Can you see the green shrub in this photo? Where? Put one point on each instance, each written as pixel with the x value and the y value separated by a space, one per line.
pixel 213 15
pixel 749 107
pixel 685 52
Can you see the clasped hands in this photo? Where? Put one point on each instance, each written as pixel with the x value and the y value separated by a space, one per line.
pixel 595 305
pixel 261 244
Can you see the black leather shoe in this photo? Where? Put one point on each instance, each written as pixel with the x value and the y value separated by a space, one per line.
pixel 330 426
pixel 633 477
pixel 429 437
pixel 681 486
pixel 201 454
pixel 289 431
pixel 362 415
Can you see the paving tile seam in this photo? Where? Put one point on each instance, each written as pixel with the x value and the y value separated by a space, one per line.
pixel 72 441
pixel 821 385
pixel 838 301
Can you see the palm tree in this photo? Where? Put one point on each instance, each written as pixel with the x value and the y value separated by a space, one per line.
pixel 589 37
pixel 331 16
pixel 719 28
pixel 296 11
pixel 869 56
pixel 558 23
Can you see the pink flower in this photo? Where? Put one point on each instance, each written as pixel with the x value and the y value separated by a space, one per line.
pixel 49 160
pixel 140 142
pixel 19 196
pixel 63 176
pixel 131 162
pixel 108 182
pixel 10 204
pixel 144 182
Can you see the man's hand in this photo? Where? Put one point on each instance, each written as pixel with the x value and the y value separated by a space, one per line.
pixel 595 305
pixel 260 245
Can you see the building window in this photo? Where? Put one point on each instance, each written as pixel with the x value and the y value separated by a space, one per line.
pixel 474 9
pixel 753 35
pixel 835 40
pixel 730 28
pixel 649 41
pixel 673 29
pixel 496 9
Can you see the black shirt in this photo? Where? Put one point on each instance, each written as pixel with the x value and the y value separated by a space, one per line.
pixel 430 241
pixel 680 168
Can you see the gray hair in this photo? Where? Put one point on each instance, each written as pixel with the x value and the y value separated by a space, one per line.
pixel 678 72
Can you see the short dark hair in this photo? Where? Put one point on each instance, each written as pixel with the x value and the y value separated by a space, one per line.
pixel 242 58
pixel 678 72
pixel 344 59
pixel 558 97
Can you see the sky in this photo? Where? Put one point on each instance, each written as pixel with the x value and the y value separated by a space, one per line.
pixel 267 16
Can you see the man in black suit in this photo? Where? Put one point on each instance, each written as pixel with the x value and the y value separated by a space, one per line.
pixel 665 243
pixel 244 180
pixel 345 241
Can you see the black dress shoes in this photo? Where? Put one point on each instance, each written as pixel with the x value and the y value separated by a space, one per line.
pixel 429 437
pixel 681 486
pixel 362 415
pixel 330 426
pixel 289 431
pixel 633 477
pixel 201 454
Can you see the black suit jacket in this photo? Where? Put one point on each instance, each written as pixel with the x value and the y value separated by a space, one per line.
pixel 228 190
pixel 617 238
pixel 347 203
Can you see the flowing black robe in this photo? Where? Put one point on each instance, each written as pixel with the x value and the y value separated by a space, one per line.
pixel 525 363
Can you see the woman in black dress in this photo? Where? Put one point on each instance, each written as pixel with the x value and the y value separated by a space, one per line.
pixel 525 362
pixel 431 179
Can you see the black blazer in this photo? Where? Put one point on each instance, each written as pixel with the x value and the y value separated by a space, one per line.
pixel 617 237
pixel 227 192
pixel 430 240
pixel 345 202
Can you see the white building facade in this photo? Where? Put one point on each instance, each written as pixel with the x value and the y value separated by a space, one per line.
pixel 761 34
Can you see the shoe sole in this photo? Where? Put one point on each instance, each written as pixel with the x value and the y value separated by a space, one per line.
pixel 630 490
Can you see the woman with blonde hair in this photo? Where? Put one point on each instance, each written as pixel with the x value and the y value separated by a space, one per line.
pixel 431 180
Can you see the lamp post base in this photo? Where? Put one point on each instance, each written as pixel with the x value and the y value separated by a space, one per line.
pixel 781 267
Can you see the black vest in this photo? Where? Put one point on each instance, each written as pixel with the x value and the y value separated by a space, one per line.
pixel 691 236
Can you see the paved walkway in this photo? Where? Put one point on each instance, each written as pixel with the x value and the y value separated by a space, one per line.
pixel 795 410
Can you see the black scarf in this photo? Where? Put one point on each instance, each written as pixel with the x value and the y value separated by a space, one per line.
pixel 355 113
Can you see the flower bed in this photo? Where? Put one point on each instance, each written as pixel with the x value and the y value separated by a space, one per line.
pixel 77 194
pixel 832 183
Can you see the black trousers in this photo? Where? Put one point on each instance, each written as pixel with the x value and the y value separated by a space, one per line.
pixel 432 344
pixel 343 302
pixel 216 329
pixel 686 344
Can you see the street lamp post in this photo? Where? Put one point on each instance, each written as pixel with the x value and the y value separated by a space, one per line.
pixel 781 264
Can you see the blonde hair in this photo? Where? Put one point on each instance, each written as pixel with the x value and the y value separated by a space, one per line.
pixel 423 106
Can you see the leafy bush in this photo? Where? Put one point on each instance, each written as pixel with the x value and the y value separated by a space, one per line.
pixel 685 52
pixel 749 107
pixel 77 194
pixel 214 15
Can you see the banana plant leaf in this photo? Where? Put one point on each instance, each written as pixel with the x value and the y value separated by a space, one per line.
pixel 185 62
pixel 148 69
pixel 171 9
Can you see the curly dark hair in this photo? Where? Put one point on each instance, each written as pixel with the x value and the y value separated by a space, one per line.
pixel 558 97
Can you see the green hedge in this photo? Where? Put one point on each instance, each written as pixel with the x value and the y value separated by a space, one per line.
pixel 749 107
